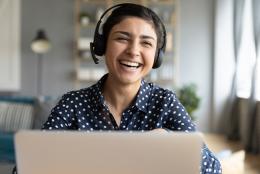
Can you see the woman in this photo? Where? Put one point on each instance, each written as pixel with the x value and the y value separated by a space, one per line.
pixel 133 40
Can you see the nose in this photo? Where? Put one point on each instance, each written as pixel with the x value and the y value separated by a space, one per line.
pixel 133 48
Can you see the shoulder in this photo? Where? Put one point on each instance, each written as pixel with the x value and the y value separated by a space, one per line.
pixel 159 92
pixel 79 94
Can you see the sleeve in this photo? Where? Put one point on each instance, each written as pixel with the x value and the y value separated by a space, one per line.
pixel 179 120
pixel 209 163
pixel 62 115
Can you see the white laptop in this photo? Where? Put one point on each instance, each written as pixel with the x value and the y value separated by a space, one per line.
pixel 50 152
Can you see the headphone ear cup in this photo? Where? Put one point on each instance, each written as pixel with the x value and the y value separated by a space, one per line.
pixel 99 45
pixel 158 59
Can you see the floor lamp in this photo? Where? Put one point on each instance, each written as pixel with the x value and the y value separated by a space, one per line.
pixel 39 46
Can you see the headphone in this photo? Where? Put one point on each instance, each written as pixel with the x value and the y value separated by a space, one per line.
pixel 97 47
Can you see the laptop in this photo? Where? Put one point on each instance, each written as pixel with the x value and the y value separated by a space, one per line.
pixel 74 152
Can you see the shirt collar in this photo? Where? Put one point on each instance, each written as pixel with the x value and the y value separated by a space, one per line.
pixel 98 88
pixel 142 98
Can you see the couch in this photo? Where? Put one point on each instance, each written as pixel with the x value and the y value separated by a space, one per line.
pixel 16 113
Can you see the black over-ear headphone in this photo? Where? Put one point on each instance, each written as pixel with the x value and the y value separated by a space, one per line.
pixel 98 46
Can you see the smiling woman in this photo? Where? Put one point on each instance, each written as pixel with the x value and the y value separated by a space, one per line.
pixel 133 42
pixel 128 58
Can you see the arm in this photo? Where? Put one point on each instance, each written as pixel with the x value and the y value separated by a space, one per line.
pixel 61 116
pixel 179 120
pixel 209 164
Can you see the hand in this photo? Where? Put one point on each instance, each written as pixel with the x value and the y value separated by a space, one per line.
pixel 159 130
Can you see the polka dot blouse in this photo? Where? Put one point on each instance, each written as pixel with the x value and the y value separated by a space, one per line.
pixel 153 108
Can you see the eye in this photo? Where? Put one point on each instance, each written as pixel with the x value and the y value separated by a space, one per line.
pixel 121 39
pixel 147 44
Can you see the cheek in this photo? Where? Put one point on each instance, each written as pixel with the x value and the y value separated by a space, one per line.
pixel 113 50
pixel 109 54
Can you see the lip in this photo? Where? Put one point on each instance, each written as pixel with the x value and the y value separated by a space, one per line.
pixel 130 64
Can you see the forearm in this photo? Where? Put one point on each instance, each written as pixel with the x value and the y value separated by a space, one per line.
pixel 209 163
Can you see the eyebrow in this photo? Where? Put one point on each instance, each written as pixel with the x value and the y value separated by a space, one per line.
pixel 128 34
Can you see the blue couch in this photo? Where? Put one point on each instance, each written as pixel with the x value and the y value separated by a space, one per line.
pixel 16 113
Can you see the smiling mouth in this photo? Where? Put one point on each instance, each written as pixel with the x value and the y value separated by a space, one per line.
pixel 130 64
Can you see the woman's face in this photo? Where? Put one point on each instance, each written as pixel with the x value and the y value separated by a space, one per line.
pixel 130 50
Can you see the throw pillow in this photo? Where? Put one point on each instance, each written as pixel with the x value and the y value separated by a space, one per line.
pixel 15 113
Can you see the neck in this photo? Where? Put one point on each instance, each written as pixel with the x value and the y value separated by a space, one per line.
pixel 119 96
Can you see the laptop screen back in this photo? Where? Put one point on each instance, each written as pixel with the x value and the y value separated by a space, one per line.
pixel 53 152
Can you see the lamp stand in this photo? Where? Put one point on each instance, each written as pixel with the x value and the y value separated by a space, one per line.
pixel 39 74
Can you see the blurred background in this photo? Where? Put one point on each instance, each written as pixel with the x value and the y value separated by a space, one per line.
pixel 212 56
pixel 190 22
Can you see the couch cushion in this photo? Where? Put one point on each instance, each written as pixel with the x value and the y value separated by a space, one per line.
pixel 7 154
pixel 18 99
pixel 16 113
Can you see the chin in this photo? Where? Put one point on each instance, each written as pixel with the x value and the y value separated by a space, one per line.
pixel 129 81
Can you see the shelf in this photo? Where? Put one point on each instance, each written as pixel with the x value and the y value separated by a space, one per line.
pixel 163 2
pixel 85 69
pixel 89 74
pixel 90 25
pixel 93 1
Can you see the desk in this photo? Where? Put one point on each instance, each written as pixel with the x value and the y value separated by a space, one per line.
pixel 217 143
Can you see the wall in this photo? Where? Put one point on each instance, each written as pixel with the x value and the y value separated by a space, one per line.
pixel 196 53
pixel 56 17
pixel 195 48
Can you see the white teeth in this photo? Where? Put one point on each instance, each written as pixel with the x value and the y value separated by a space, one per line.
pixel 133 64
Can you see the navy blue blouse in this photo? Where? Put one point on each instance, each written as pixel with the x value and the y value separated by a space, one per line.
pixel 154 107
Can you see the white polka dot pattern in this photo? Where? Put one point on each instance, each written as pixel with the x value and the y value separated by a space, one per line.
pixel 153 108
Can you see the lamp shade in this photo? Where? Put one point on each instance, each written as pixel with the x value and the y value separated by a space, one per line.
pixel 40 44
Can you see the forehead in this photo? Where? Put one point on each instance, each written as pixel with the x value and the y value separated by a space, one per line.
pixel 135 25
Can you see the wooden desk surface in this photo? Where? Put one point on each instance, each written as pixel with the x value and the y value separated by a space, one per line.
pixel 217 143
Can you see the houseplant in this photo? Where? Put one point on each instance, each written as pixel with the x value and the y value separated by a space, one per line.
pixel 189 99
